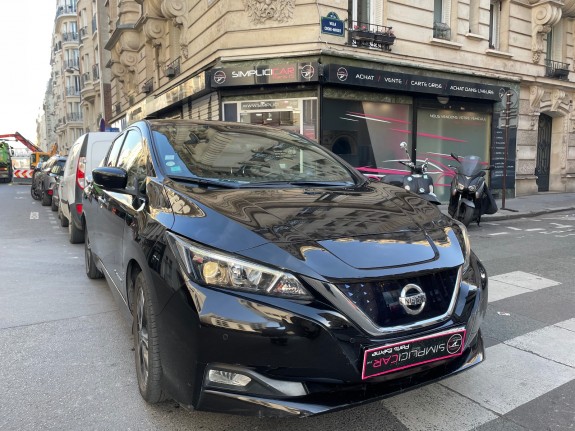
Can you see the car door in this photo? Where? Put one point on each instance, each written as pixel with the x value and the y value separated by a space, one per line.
pixel 103 221
pixel 120 206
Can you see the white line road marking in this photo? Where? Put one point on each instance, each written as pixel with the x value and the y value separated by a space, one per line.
pixel 525 280
pixel 552 342
pixel 499 290
pixel 435 407
pixel 34 215
pixel 561 226
pixel 564 236
pixel 511 377
pixel 513 228
pixel 534 229
pixel 498 233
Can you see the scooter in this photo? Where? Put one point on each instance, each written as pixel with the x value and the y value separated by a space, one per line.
pixel 470 197
pixel 417 181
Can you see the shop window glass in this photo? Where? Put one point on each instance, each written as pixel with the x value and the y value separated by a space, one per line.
pixel 366 134
pixel 441 132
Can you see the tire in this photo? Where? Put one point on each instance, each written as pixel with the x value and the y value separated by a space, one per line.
pixel 53 205
pixel 92 270
pixel 146 343
pixel 75 235
pixel 465 215
pixel 34 192
pixel 46 199
pixel 63 220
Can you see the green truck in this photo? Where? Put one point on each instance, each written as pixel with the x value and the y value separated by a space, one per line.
pixel 5 163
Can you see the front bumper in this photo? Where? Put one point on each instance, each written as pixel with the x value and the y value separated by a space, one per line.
pixel 339 396
pixel 310 344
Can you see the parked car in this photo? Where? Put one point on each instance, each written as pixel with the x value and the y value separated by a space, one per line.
pixel 44 178
pixel 263 275
pixel 84 155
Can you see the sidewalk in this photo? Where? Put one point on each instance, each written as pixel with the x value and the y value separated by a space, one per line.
pixel 531 206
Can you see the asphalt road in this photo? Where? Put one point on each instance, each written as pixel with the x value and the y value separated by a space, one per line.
pixel 66 359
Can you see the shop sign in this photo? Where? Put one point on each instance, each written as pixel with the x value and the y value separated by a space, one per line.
pixel 269 105
pixel 331 24
pixel 150 105
pixel 265 74
pixel 411 83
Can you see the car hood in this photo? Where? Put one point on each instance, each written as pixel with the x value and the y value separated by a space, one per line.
pixel 375 226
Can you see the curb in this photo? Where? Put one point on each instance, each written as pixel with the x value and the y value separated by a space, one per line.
pixel 515 215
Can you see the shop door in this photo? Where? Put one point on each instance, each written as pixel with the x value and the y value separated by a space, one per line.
pixel 543 153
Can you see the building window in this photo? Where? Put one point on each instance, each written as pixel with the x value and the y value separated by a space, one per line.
pixel 442 19
pixel 366 12
pixel 494 23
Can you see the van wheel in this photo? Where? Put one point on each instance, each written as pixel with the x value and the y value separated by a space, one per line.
pixel 53 205
pixel 146 342
pixel 92 270
pixel 63 220
pixel 75 235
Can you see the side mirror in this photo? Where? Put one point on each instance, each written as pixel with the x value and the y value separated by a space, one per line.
pixel 110 178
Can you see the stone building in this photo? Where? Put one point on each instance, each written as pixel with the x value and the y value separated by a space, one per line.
pixel 484 77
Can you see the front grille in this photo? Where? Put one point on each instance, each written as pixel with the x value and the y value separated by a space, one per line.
pixel 379 299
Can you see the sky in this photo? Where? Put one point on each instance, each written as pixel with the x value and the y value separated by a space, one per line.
pixel 25 63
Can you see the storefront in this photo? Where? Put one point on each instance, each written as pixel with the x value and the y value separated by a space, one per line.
pixel 364 114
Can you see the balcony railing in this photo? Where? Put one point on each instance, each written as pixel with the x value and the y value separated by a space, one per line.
pixel 72 91
pixel 70 37
pixel 74 116
pixel 86 78
pixel 96 71
pixel 73 63
pixel 68 9
pixel 172 69
pixel 148 86
pixel 367 35
pixel 441 31
pixel 84 32
pixel 556 69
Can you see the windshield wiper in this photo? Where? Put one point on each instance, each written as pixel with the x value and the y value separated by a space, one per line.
pixel 205 182
pixel 321 183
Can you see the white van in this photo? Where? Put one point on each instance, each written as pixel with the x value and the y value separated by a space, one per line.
pixel 85 154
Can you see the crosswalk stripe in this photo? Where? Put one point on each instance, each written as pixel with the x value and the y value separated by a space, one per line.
pixel 515 372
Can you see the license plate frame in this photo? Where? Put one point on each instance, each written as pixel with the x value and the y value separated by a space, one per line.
pixel 394 357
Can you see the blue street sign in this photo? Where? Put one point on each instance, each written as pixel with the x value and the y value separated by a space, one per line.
pixel 332 26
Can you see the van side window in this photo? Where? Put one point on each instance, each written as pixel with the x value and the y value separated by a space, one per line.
pixel 132 159
pixel 73 157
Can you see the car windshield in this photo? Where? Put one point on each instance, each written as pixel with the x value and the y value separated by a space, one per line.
pixel 244 156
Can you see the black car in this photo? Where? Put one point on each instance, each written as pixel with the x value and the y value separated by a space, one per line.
pixel 263 275
pixel 45 179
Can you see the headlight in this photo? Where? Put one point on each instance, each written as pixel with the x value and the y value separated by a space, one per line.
pixel 460 186
pixel 463 238
pixel 472 188
pixel 214 268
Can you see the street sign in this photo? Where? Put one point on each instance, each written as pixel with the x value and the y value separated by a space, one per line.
pixel 332 26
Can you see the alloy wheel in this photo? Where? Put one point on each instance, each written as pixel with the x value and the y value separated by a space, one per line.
pixel 142 338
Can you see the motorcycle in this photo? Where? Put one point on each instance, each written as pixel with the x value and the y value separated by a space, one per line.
pixel 416 181
pixel 470 196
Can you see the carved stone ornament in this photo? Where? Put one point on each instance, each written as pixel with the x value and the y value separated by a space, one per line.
pixel 535 95
pixel 556 98
pixel 260 11
pixel 155 31
pixel 177 11
pixel 543 18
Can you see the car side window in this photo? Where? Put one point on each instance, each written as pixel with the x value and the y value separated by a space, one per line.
pixel 115 150
pixel 132 159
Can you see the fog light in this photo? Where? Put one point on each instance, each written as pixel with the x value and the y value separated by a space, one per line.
pixel 228 378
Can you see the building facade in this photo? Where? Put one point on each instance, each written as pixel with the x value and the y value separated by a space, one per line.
pixel 485 77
